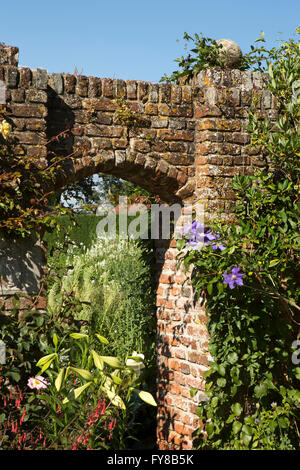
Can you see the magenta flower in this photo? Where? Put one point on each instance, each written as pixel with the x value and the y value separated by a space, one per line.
pixel 37 382
pixel 235 278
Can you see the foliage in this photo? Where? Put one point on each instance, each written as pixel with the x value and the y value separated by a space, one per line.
pixel 24 201
pixel 113 285
pixel 206 52
pixel 26 333
pixel 98 189
pixel 79 381
pixel 248 272
pixel 79 392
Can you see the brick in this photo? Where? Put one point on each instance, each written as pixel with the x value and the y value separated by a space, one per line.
pixel 168 134
pixel 36 96
pixel 69 83
pixel 166 278
pixel 119 89
pixel 107 87
pixel 151 109
pixel 140 145
pixel 181 111
pixel 186 94
pixel 95 87
pixel 82 86
pixel 181 428
pixel 143 89
pixel 12 76
pixel 154 93
pixel 23 110
pixel 160 123
pixel 40 78
pixel 165 93
pixel 56 83
pixel 18 95
pixel 100 104
pixel 176 94
pixel 205 111
pixel 164 109
pixel 131 89
pixel 104 131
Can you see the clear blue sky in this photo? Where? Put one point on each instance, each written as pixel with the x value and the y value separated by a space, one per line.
pixel 132 39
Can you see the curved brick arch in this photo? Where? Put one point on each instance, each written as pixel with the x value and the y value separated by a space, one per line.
pixel 127 129
pixel 188 143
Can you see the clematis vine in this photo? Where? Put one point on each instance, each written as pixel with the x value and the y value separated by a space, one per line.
pixel 235 278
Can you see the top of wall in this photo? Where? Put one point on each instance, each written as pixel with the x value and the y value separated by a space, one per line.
pixel 9 55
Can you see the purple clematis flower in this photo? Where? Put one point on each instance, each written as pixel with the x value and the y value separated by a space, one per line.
pixel 235 278
pixel 216 246
pixel 199 236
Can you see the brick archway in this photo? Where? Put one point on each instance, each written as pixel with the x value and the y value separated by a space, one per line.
pixel 186 144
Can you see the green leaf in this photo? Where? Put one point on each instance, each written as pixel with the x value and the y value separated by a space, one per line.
pixel 209 428
pixel 221 370
pixel 115 399
pixel 237 409
pixel 85 374
pixel 55 340
pixel 246 434
pixel 78 391
pixel 180 244
pixel 221 382
pixel 146 397
pixel 45 359
pixel 47 365
pixel 97 360
pixel 214 402
pixel 283 422
pixel 111 361
pixel 117 380
pixel 297 373
pixel 230 418
pixel 102 339
pixel 78 335
pixel 236 427
pixel 59 379
pixel 261 390
pixel 232 358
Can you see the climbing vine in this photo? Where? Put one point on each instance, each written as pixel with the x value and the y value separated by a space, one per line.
pixel 24 200
pixel 248 272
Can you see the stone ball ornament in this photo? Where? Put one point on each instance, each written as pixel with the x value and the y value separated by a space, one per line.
pixel 233 53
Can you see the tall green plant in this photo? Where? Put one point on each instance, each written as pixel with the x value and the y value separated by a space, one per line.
pixel 112 286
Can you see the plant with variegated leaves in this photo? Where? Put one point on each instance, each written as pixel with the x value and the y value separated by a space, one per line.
pixel 79 379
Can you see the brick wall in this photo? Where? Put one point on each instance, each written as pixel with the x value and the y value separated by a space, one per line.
pixel 186 144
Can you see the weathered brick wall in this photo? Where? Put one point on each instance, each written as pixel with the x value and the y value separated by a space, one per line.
pixel 222 100
pixel 186 144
